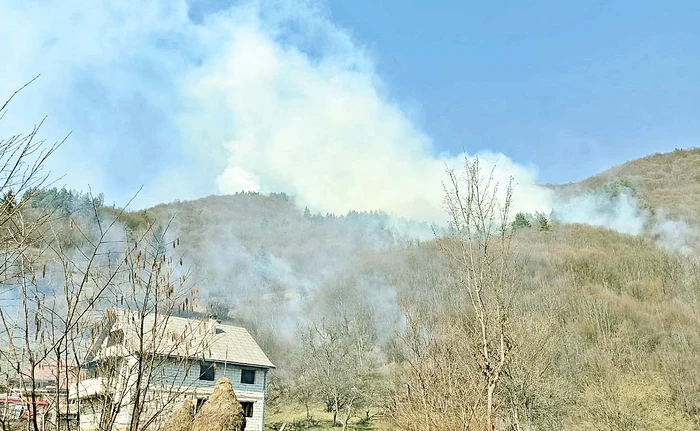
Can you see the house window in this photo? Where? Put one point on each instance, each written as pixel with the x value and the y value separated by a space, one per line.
pixel 247 408
pixel 248 376
pixel 200 403
pixel 207 371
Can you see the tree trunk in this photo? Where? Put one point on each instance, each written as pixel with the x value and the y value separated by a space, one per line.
pixel 347 416
pixel 34 410
pixel 336 407
pixel 489 407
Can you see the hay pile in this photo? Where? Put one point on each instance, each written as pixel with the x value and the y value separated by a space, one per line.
pixel 182 419
pixel 222 411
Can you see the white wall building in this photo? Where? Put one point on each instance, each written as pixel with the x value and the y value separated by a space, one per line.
pixel 170 359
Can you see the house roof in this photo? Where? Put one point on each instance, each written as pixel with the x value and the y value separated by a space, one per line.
pixel 192 338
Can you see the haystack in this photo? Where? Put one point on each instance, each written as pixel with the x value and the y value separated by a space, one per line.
pixel 222 411
pixel 182 419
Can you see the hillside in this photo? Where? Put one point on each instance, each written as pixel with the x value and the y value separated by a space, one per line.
pixel 263 262
pixel 262 259
pixel 668 181
pixel 602 325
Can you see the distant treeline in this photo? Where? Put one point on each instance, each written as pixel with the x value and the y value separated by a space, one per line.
pixel 64 201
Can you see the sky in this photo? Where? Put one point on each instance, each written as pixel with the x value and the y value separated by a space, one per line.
pixel 602 82
pixel 347 104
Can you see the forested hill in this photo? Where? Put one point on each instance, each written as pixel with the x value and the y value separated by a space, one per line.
pixel 603 326
pixel 259 259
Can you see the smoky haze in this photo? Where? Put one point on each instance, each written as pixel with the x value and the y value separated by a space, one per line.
pixel 256 97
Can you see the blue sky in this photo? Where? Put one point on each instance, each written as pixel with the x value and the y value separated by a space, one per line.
pixel 601 81
pixel 347 104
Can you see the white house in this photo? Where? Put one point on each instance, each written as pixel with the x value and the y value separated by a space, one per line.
pixel 145 366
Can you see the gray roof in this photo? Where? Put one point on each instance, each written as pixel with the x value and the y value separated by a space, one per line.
pixel 181 337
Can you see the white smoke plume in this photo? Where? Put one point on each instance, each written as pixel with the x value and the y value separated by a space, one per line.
pixel 623 213
pixel 260 96
pixel 674 235
pixel 266 96
pixel 320 128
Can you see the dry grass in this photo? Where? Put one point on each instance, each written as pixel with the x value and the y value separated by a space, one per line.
pixel 606 333
pixel 222 411
pixel 294 416
pixel 182 419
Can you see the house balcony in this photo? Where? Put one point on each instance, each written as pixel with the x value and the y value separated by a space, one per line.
pixel 87 388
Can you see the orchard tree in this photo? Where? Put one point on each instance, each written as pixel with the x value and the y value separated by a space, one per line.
pixel 337 354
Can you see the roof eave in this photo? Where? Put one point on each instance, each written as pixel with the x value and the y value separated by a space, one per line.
pixel 245 364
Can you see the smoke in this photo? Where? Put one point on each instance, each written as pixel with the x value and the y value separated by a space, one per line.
pixel 320 126
pixel 620 213
pixel 265 96
pixel 674 235
pixel 623 213
pixel 258 96
pixel 266 270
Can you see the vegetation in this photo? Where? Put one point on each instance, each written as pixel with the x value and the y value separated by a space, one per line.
pixel 499 323
pixel 595 318
pixel 660 181
pixel 66 263
pixel 470 344
pixel 294 418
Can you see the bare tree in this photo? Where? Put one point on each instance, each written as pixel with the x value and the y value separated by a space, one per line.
pixel 61 274
pixel 336 354
pixel 140 363
pixel 22 159
pixel 480 257
pixel 453 366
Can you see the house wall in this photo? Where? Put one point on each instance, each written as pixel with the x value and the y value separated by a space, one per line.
pixel 172 371
pixel 170 378
pixel 173 374
pixel 92 393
